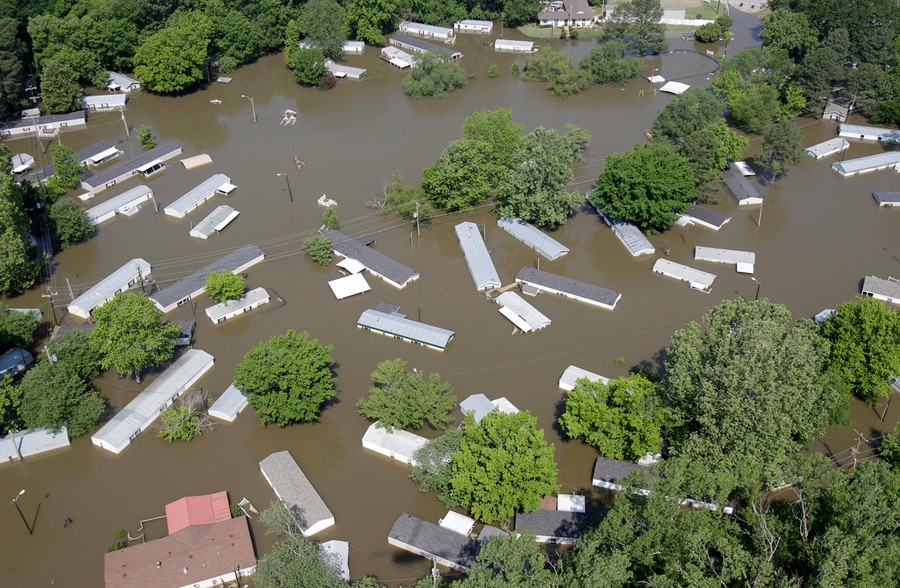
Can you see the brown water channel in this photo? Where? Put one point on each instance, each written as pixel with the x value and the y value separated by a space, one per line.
pixel 819 235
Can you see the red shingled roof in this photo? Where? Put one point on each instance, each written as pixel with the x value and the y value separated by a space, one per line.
pixel 197 510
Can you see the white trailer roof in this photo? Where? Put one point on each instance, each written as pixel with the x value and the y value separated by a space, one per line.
pixel 15 446
pixel 697 279
pixel 125 201
pixel 104 291
pixel 197 196
pixel 229 404
pixel 481 266
pixel 674 88
pixel 457 523
pixel 744 260
pixel 229 308
pixel 533 237
pixel 396 444
pixel 349 286
pixel 217 220
pixel 572 374
pixel 521 313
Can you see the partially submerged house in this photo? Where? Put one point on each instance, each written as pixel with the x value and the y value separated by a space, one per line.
pixel 408 43
pixel 17 446
pixel 534 281
pixel 132 272
pixel 397 57
pixel 296 491
pixel 92 155
pixel 146 164
pixel 478 259
pixel 866 133
pixel 567 13
pixel 117 82
pixel 480 406
pixel 217 220
pixel 481 27
pixel 378 264
pixel 45 127
pixel 173 296
pixel 144 409
pixel 628 234
pixel 443 546
pixel 104 102
pixel 887 290
pixel 703 216
pixel 427 31
pixel 533 237
pixel 520 313
pixel 740 187
pixel 395 444
pixel 215 184
pixel 890 199
pixel 572 374
pixel 229 405
pixel 696 279
pixel 743 261
pixel 553 526
pixel 127 203
pixel 396 325
pixel 514 46
pixel 871 163
pixel 826 148
pixel 223 311
pixel 341 70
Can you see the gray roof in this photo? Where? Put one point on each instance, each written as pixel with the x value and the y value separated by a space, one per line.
pixel 478 404
pixel 396 324
pixel 553 523
pixel 46 119
pixel 106 288
pixel 614 470
pixel 481 266
pixel 873 285
pixel 827 147
pixel 14 361
pixel 229 404
pixel 883 134
pixel 707 215
pixel 121 79
pixel 574 287
pixel 435 540
pixel 533 237
pixel 419 45
pixel 82 155
pixel 123 201
pixel 197 195
pixel 294 488
pixel 738 184
pixel 489 532
pixel 375 261
pixel 111 173
pixel 197 281
pixel 215 221
pixel 868 163
pixel 887 198
pixel 31 442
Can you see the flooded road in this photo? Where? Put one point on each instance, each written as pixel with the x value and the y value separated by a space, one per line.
pixel 819 236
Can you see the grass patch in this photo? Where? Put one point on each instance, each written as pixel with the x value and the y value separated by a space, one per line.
pixel 533 31
pixel 705 11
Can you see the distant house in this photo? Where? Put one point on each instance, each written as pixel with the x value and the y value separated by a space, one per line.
pixel 887 290
pixel 104 102
pixel 197 556
pixel 293 487
pixel 117 82
pixel 147 164
pixel 378 264
pixel 567 13
pixel 514 46
pixel 47 126
pixel 481 27
pixel 427 31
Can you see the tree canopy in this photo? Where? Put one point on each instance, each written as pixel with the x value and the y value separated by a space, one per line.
pixel 503 465
pixel 431 465
pixel 622 419
pixel 17 329
pixel 686 114
pixel 556 71
pixel 610 63
pixel 746 391
pixel 637 23
pixel 319 248
pixel 54 396
pixel 224 286
pixel 322 23
pixel 174 59
pixel 130 334
pixel 536 190
pixel 402 399
pixel 503 136
pixel 649 186
pixel 782 148
pixel 460 178
pixel 864 337
pixel 287 379
pixel 70 223
pixel 433 76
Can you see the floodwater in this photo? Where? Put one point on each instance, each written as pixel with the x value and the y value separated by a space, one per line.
pixel 818 237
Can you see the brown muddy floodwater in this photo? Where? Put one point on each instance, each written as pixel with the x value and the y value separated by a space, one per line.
pixel 820 235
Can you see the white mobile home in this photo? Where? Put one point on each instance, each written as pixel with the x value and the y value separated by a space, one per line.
pixel 146 164
pixel 396 444
pixel 696 279
pixel 887 290
pixel 133 272
pixel 523 315
pixel 742 260
pixel 871 163
pixel 534 281
pixel 572 374
pixel 533 237
pixel 481 27
pixel 427 31
pixel 127 203
pixel 481 266
pixel 217 220
pixel 229 404
pixel 513 46
pixel 232 308
pixel 104 102
pixel 216 184
pixel 826 148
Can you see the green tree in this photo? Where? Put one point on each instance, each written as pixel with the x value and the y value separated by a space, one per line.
pixel 11 70
pixel 709 150
pixel 503 465
pixel 224 286
pixel 889 450
pixel 745 393
pixel 322 23
pixel 555 70
pixel 234 38
pixel 610 63
pixel 60 90
pixel 10 401
pixel 319 248
pixel 788 30
pixel 536 190
pixel 16 328
pixel 19 266
pixel 130 334
pixel 70 223
pixel 493 72
pixel 864 337
pixel 431 464
pixel 54 396
pixel 687 113
pixel 793 102
pixel 184 421
pixel 649 186
pixel 74 349
pixel 368 20
pixel 708 32
pixel 145 136
pixel 401 399
pixel 308 65
pixel 67 170
pixel 287 378
pixel 404 200
pixel 511 561
pixel 433 76
pixel 518 12
pixel 294 560
pixel 330 220
pixel 637 24
pixel 782 148
pixel 174 59
pixel 460 178
pixel 623 419
pixel 504 136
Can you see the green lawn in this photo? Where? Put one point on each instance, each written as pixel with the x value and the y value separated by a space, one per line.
pixel 533 31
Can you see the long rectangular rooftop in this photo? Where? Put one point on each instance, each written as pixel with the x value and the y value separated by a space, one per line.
pixel 696 279
pixel 533 237
pixel 481 266
pixel 826 148
pixel 870 163
pixel 434 542
pixel 99 179
pixel 740 187
pixel 140 413
pixel 296 491
pixel 397 325
pixel 120 280
pixel 124 203
pixel 865 132
pixel 217 220
pixel 197 195
pixel 520 313
pixel 83 156
pixel 195 284
pixel 887 290
pixel 744 260
pixel 572 374
pixel 553 526
pixel 706 217
pixel 378 264
pixel 568 287
pixel 887 198
pixel 396 444
pixel 419 46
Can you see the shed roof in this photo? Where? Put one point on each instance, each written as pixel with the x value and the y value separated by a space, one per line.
pixel 674 87
pixel 121 80
pixel 234 261
pixel 376 262
pixel 521 313
pixel 293 487
pixel 458 523
pixel 185 558
pixel 434 541
pixel 571 286
pixel 349 286
pixel 205 509
pixel 481 266
pixel 533 237
pixel 396 324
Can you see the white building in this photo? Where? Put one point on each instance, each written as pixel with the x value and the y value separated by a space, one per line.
pixel 427 31
pixel 220 313
pixel 513 46
pixel 216 184
pixel 396 444
pixel 481 27
pixel 217 220
pixel 133 272
pixel 572 374
pixel 696 279
pixel 127 203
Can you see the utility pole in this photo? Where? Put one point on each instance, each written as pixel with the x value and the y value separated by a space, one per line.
pixel 50 294
pixel 418 234
pixel 855 451
pixel 141 276
pixel 71 293
pixel 127 132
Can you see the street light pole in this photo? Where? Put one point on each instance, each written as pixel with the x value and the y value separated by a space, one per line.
pixel 15 502
pixel 758 286
pixel 288 182
pixel 252 106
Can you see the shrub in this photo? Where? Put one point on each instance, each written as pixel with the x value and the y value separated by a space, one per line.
pixel 327 82
pixel 146 138
pixel 319 249
pixel 514 69
pixel 493 73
